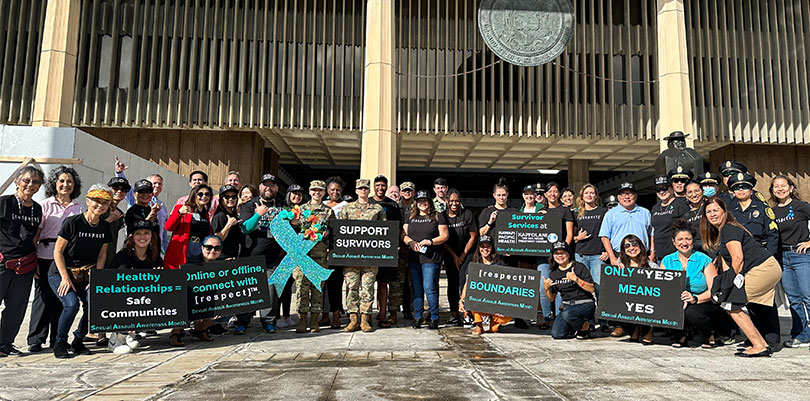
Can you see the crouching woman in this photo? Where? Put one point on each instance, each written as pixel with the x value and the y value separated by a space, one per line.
pixel 573 282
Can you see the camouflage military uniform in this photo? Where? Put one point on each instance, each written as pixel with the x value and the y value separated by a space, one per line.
pixel 309 297
pixel 360 279
pixel 397 288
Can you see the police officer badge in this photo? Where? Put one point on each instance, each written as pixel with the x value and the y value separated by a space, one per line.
pixel 755 213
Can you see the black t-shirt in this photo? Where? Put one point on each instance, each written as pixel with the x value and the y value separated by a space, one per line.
pixel 483 218
pixel 230 246
pixel 460 228
pixel 123 260
pixel 753 252
pixel 694 217
pixel 422 228
pixel 591 222
pixel 661 218
pixel 792 221
pixel 567 215
pixel 134 214
pixel 569 290
pixel 83 241
pixel 18 227
pixel 260 242
pixel 200 226
pixel 390 207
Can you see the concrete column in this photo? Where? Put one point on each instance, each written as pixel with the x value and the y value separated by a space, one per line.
pixel 56 78
pixel 578 173
pixel 379 147
pixel 674 98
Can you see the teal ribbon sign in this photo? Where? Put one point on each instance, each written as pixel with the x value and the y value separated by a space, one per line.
pixel 297 249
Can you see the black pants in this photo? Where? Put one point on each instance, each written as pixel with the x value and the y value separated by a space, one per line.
pixel 272 256
pixel 14 292
pixel 766 320
pixel 283 304
pixel 703 319
pixel 45 308
pixel 334 290
pixel 407 289
pixel 454 280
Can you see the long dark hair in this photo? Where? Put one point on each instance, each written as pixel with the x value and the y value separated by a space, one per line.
pixel 553 265
pixel 192 197
pixel 431 211
pixel 221 205
pixel 152 251
pixel 477 258
pixel 794 193
pixel 643 261
pixel 53 178
pixel 711 234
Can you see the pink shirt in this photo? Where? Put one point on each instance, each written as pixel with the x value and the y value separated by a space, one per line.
pixel 53 213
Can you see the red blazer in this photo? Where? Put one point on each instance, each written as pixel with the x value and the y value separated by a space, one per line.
pixel 180 226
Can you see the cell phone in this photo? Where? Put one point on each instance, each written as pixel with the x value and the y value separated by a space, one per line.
pixel 423 249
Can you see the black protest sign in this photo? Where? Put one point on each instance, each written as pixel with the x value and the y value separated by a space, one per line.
pixel 226 287
pixel 527 234
pixel 502 290
pixel 650 297
pixel 364 243
pixel 123 300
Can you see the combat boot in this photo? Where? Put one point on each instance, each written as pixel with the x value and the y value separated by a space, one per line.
pixel 365 324
pixel 314 323
pixel 302 323
pixel 392 319
pixel 353 325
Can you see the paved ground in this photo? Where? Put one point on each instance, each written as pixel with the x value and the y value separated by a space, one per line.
pixel 405 364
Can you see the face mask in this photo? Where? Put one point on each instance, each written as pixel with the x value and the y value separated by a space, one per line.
pixel 709 191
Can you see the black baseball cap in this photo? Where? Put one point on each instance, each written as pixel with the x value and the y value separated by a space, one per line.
pixel 484 239
pixel 530 188
pixel 227 188
pixel 422 194
pixel 381 178
pixel 119 181
pixel 627 185
pixel 143 186
pixel 295 188
pixel 662 181
pixel 269 177
pixel 140 224
pixel 561 246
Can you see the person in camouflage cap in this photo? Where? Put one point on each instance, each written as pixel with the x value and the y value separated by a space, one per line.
pixel 309 297
pixel 360 279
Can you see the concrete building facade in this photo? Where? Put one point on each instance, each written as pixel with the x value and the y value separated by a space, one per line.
pixel 383 85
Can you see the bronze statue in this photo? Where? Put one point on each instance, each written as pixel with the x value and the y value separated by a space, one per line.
pixel 678 154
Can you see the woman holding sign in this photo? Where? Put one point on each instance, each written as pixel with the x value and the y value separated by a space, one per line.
pixel 488 219
pixel 634 254
pixel 573 282
pixel 189 225
pixel 745 262
pixel 700 313
pixel 425 230
pixel 486 255
pixel 80 246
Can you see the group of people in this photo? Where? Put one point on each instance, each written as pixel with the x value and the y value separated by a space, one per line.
pixel 719 238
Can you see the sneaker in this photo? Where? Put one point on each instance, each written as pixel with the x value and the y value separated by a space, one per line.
pixel 434 325
pixel 239 330
pixel 796 343
pixel 282 324
pixel 60 350
pixel 35 348
pixel 453 321
pixel 217 330
pixel 10 350
pixel 231 323
pixel 521 324
pixel 269 328
pixel 468 320
pixel 79 348
pixel 132 342
pixel 117 345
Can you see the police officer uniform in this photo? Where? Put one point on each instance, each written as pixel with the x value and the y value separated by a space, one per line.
pixel 727 169
pixel 759 219
pixel 680 173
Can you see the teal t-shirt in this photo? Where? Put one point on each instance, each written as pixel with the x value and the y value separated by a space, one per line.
pixel 695 279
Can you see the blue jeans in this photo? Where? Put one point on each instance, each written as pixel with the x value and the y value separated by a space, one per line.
pixel 796 282
pixel 70 308
pixel 549 310
pixel 425 282
pixel 571 318
pixel 594 265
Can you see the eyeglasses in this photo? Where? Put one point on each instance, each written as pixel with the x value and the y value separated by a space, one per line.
pixel 229 197
pixel 631 244
pixel 215 248
pixel 28 181
pixel 203 194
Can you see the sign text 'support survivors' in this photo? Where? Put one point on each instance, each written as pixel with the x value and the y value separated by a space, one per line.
pixel 364 243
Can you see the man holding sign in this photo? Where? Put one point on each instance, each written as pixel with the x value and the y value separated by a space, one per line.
pixel 360 279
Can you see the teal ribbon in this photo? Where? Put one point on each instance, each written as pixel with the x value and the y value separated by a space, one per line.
pixel 297 249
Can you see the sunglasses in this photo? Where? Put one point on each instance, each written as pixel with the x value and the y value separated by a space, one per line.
pixel 229 197
pixel 741 188
pixel 145 191
pixel 215 248
pixel 631 244
pixel 203 194
pixel 680 180
pixel 728 173
pixel 28 181
pixel 118 188
pixel 662 189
